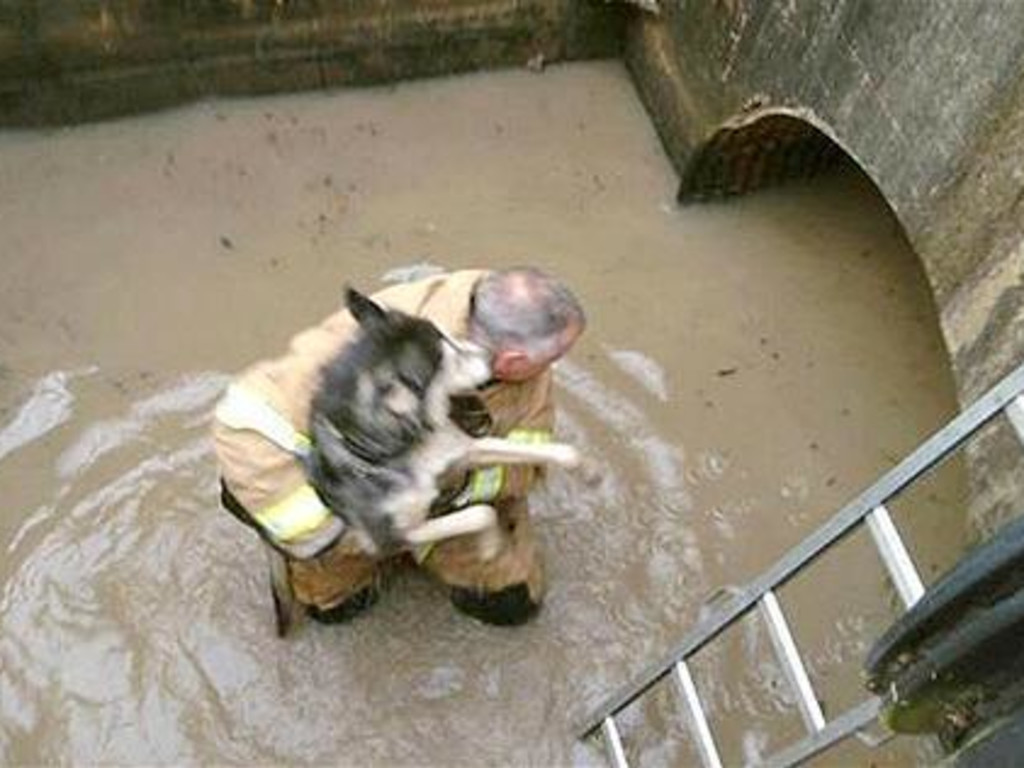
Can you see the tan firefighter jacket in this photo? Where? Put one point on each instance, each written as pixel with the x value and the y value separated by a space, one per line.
pixel 259 464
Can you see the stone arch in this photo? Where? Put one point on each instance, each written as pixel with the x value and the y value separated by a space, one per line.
pixel 759 148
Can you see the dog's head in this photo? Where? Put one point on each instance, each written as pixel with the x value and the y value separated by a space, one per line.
pixel 378 399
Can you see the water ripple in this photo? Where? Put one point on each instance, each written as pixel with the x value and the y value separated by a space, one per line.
pixel 48 407
pixel 642 369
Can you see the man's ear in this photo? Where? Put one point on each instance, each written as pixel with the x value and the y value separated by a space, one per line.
pixel 510 363
pixel 365 310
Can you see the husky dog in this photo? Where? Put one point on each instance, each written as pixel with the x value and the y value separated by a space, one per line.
pixel 383 435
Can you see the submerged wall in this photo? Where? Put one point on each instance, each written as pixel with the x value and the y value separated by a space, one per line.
pixel 66 61
pixel 926 96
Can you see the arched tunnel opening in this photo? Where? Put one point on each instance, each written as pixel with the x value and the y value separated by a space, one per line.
pixel 756 152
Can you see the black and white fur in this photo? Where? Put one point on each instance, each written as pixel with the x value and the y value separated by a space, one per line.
pixel 383 435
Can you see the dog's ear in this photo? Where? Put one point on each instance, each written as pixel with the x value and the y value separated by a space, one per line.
pixel 368 313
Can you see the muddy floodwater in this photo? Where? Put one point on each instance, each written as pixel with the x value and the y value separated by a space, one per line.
pixel 748 368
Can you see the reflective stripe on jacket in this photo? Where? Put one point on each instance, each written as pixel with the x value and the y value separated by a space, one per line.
pixel 301 512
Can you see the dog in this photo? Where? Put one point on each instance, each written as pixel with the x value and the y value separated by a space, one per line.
pixel 383 434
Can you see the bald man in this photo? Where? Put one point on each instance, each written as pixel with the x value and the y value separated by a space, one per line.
pixel 528 320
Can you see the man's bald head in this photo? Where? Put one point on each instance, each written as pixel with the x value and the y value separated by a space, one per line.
pixel 527 318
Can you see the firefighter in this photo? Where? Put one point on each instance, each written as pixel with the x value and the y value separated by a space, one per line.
pixel 527 319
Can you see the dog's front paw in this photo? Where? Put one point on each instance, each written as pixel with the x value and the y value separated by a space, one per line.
pixel 565 455
pixel 474 519
pixel 490 542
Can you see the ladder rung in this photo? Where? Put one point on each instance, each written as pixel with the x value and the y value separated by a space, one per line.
pixel 1015 412
pixel 792 664
pixel 698 720
pixel 895 556
pixel 613 743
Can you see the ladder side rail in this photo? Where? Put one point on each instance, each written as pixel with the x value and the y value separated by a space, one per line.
pixel 847 724
pixel 922 459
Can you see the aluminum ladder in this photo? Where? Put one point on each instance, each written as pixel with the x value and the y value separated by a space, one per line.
pixel 1006 397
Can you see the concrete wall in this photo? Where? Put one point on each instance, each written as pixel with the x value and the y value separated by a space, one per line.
pixel 66 61
pixel 926 95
